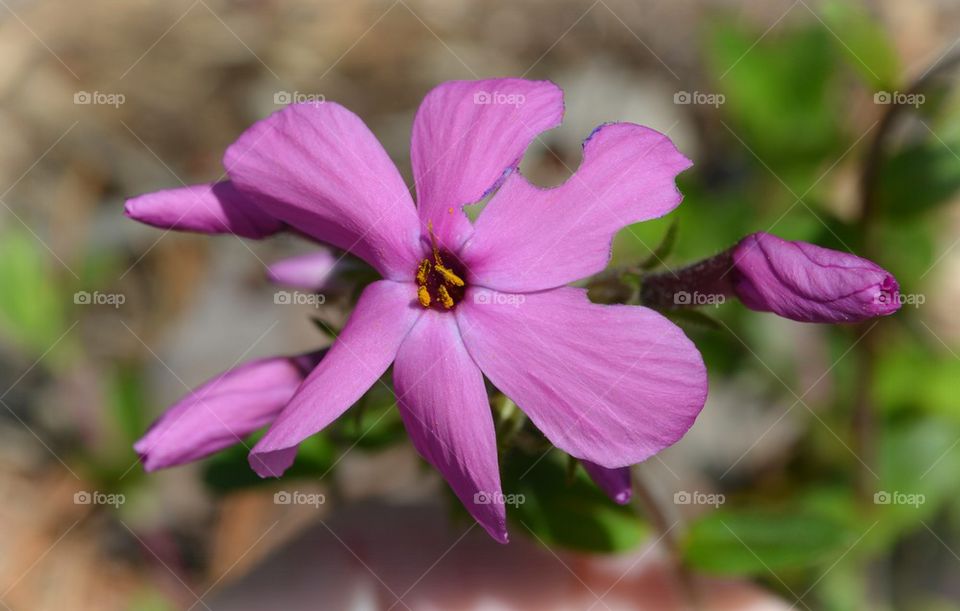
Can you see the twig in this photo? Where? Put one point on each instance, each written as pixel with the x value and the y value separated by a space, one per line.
pixel 863 421
pixel 658 518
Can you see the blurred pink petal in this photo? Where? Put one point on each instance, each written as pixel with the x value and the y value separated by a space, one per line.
pixel 210 208
pixel 223 411
pixel 309 271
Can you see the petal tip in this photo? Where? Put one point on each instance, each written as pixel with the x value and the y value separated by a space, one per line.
pixel 135 208
pixel 271 463
pixel 499 534
pixel 149 460
pixel 143 449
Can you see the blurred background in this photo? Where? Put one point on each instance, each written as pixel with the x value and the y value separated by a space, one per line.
pixel 822 473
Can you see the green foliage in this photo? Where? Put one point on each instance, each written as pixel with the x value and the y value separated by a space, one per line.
pixel 564 510
pixel 751 542
pixel 920 178
pixel 663 250
pixel 151 600
pixel 903 388
pixel 918 467
pixel 373 422
pixel 127 397
pixel 229 470
pixel 694 319
pixel 863 41
pixel 780 92
pixel 31 302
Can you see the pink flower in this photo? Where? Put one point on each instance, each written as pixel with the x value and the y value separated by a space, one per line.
pixel 808 283
pixel 223 411
pixel 611 385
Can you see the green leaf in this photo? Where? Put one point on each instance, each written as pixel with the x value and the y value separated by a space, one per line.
pixel 229 470
pixel 31 306
pixel 911 379
pixel 693 319
pixel 127 398
pixel 732 542
pixel 780 91
pixel 663 250
pixel 325 327
pixel 919 178
pixel 917 468
pixel 864 42
pixel 567 512
pixel 374 422
pixel 150 600
pixel 637 241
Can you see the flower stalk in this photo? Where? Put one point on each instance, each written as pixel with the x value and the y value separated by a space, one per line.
pixel 667 531
pixel 682 288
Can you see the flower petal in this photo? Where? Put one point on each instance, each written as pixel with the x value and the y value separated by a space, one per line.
pixel 364 350
pixel 611 384
pixel 224 410
pixel 208 208
pixel 530 239
pixel 309 271
pixel 466 135
pixel 318 167
pixel 807 283
pixel 444 406
pixel 614 482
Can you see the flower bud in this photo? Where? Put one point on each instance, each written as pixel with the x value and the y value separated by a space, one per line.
pixel 807 283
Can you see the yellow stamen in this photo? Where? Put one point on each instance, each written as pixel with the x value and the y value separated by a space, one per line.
pixel 422 272
pixel 449 276
pixel 445 297
pixel 433 244
pixel 424 296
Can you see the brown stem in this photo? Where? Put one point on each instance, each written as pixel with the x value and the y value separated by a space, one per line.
pixel 654 511
pixel 878 146
pixel 863 421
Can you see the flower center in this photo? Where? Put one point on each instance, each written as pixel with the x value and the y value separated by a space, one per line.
pixel 440 282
